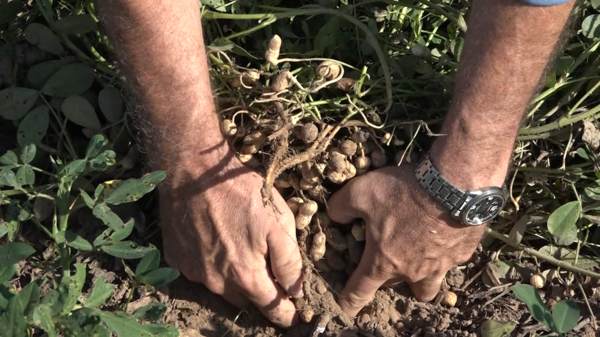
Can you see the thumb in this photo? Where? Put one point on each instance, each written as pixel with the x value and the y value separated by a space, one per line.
pixel 362 285
pixel 286 261
pixel 347 204
pixel 426 289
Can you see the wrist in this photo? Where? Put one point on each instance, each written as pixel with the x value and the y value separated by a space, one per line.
pixel 472 156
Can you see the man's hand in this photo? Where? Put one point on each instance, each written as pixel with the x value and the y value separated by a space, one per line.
pixel 408 236
pixel 217 231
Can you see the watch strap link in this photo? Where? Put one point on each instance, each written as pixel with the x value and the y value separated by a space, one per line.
pixel 431 179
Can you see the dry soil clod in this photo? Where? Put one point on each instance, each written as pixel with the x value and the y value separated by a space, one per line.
pixel 309 133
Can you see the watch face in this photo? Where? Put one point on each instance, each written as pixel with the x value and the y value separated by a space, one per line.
pixel 483 209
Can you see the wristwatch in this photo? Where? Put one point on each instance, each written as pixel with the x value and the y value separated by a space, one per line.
pixel 472 208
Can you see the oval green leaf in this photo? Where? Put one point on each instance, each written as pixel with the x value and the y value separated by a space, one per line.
pixel 72 79
pixel 590 26
pixel 72 170
pixel 79 111
pixel 28 153
pixel 532 299
pixel 34 126
pixel 95 145
pixel 126 250
pixel 75 24
pixel 25 176
pixel 13 252
pixel 108 217
pixel 7 272
pixel 148 263
pixel 9 158
pixel 492 328
pixel 562 223
pixel 565 315
pixel 16 102
pixel 159 277
pixel 111 104
pixel 8 178
pixel 42 37
pixel 133 189
pixel 151 312
pixel 73 240
pixel 123 233
pixel 41 72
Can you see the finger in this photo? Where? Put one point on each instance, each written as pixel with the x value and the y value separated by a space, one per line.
pixel 362 285
pixel 286 261
pixel 236 298
pixel 426 289
pixel 270 299
pixel 347 203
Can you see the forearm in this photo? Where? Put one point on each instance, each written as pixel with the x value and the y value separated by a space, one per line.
pixel 161 49
pixel 507 50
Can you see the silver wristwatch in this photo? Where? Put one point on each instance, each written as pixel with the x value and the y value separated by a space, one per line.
pixel 472 208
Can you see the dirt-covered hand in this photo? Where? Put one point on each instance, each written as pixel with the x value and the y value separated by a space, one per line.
pixel 217 231
pixel 408 236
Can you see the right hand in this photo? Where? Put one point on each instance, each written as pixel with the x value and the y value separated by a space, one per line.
pixel 217 231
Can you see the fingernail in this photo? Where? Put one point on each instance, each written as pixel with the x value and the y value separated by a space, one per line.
pixel 295 290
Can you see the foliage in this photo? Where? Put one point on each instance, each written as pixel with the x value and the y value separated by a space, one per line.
pixel 564 315
pixel 67 142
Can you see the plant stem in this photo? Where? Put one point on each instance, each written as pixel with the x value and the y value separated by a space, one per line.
pixel 562 122
pixel 549 259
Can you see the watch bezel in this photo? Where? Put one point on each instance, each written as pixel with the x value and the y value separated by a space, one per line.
pixel 478 196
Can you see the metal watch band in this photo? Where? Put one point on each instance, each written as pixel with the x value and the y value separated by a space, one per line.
pixel 449 196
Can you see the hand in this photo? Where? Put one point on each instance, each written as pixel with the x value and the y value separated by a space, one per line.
pixel 409 237
pixel 217 231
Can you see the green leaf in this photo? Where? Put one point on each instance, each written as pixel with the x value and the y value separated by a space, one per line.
pixel 123 233
pixel 162 330
pixel 590 25
pixel 73 240
pixel 100 293
pixel 159 277
pixel 79 111
pixel 42 37
pixel 12 218
pixel 151 312
pixel 562 223
pixel 327 35
pixel 148 263
pixel 89 202
pixel 16 102
pixel 28 153
pixel 13 321
pixel 492 328
pixel 6 294
pixel 108 217
pixel 71 79
pixel 111 104
pixel 102 238
pixel 133 189
pixel 42 317
pixel 7 272
pixel 34 126
pixel 70 288
pixel 3 230
pixel 10 10
pixel 75 24
pixel 126 250
pixel 54 301
pixel 9 158
pixel 95 145
pixel 30 296
pixel 13 252
pixel 8 178
pixel 41 72
pixel 123 325
pixel 72 170
pixel 532 299
pixel 25 176
pixel 595 4
pixel 102 161
pixel 565 315
pixel 98 192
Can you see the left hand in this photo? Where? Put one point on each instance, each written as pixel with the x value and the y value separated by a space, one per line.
pixel 409 237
